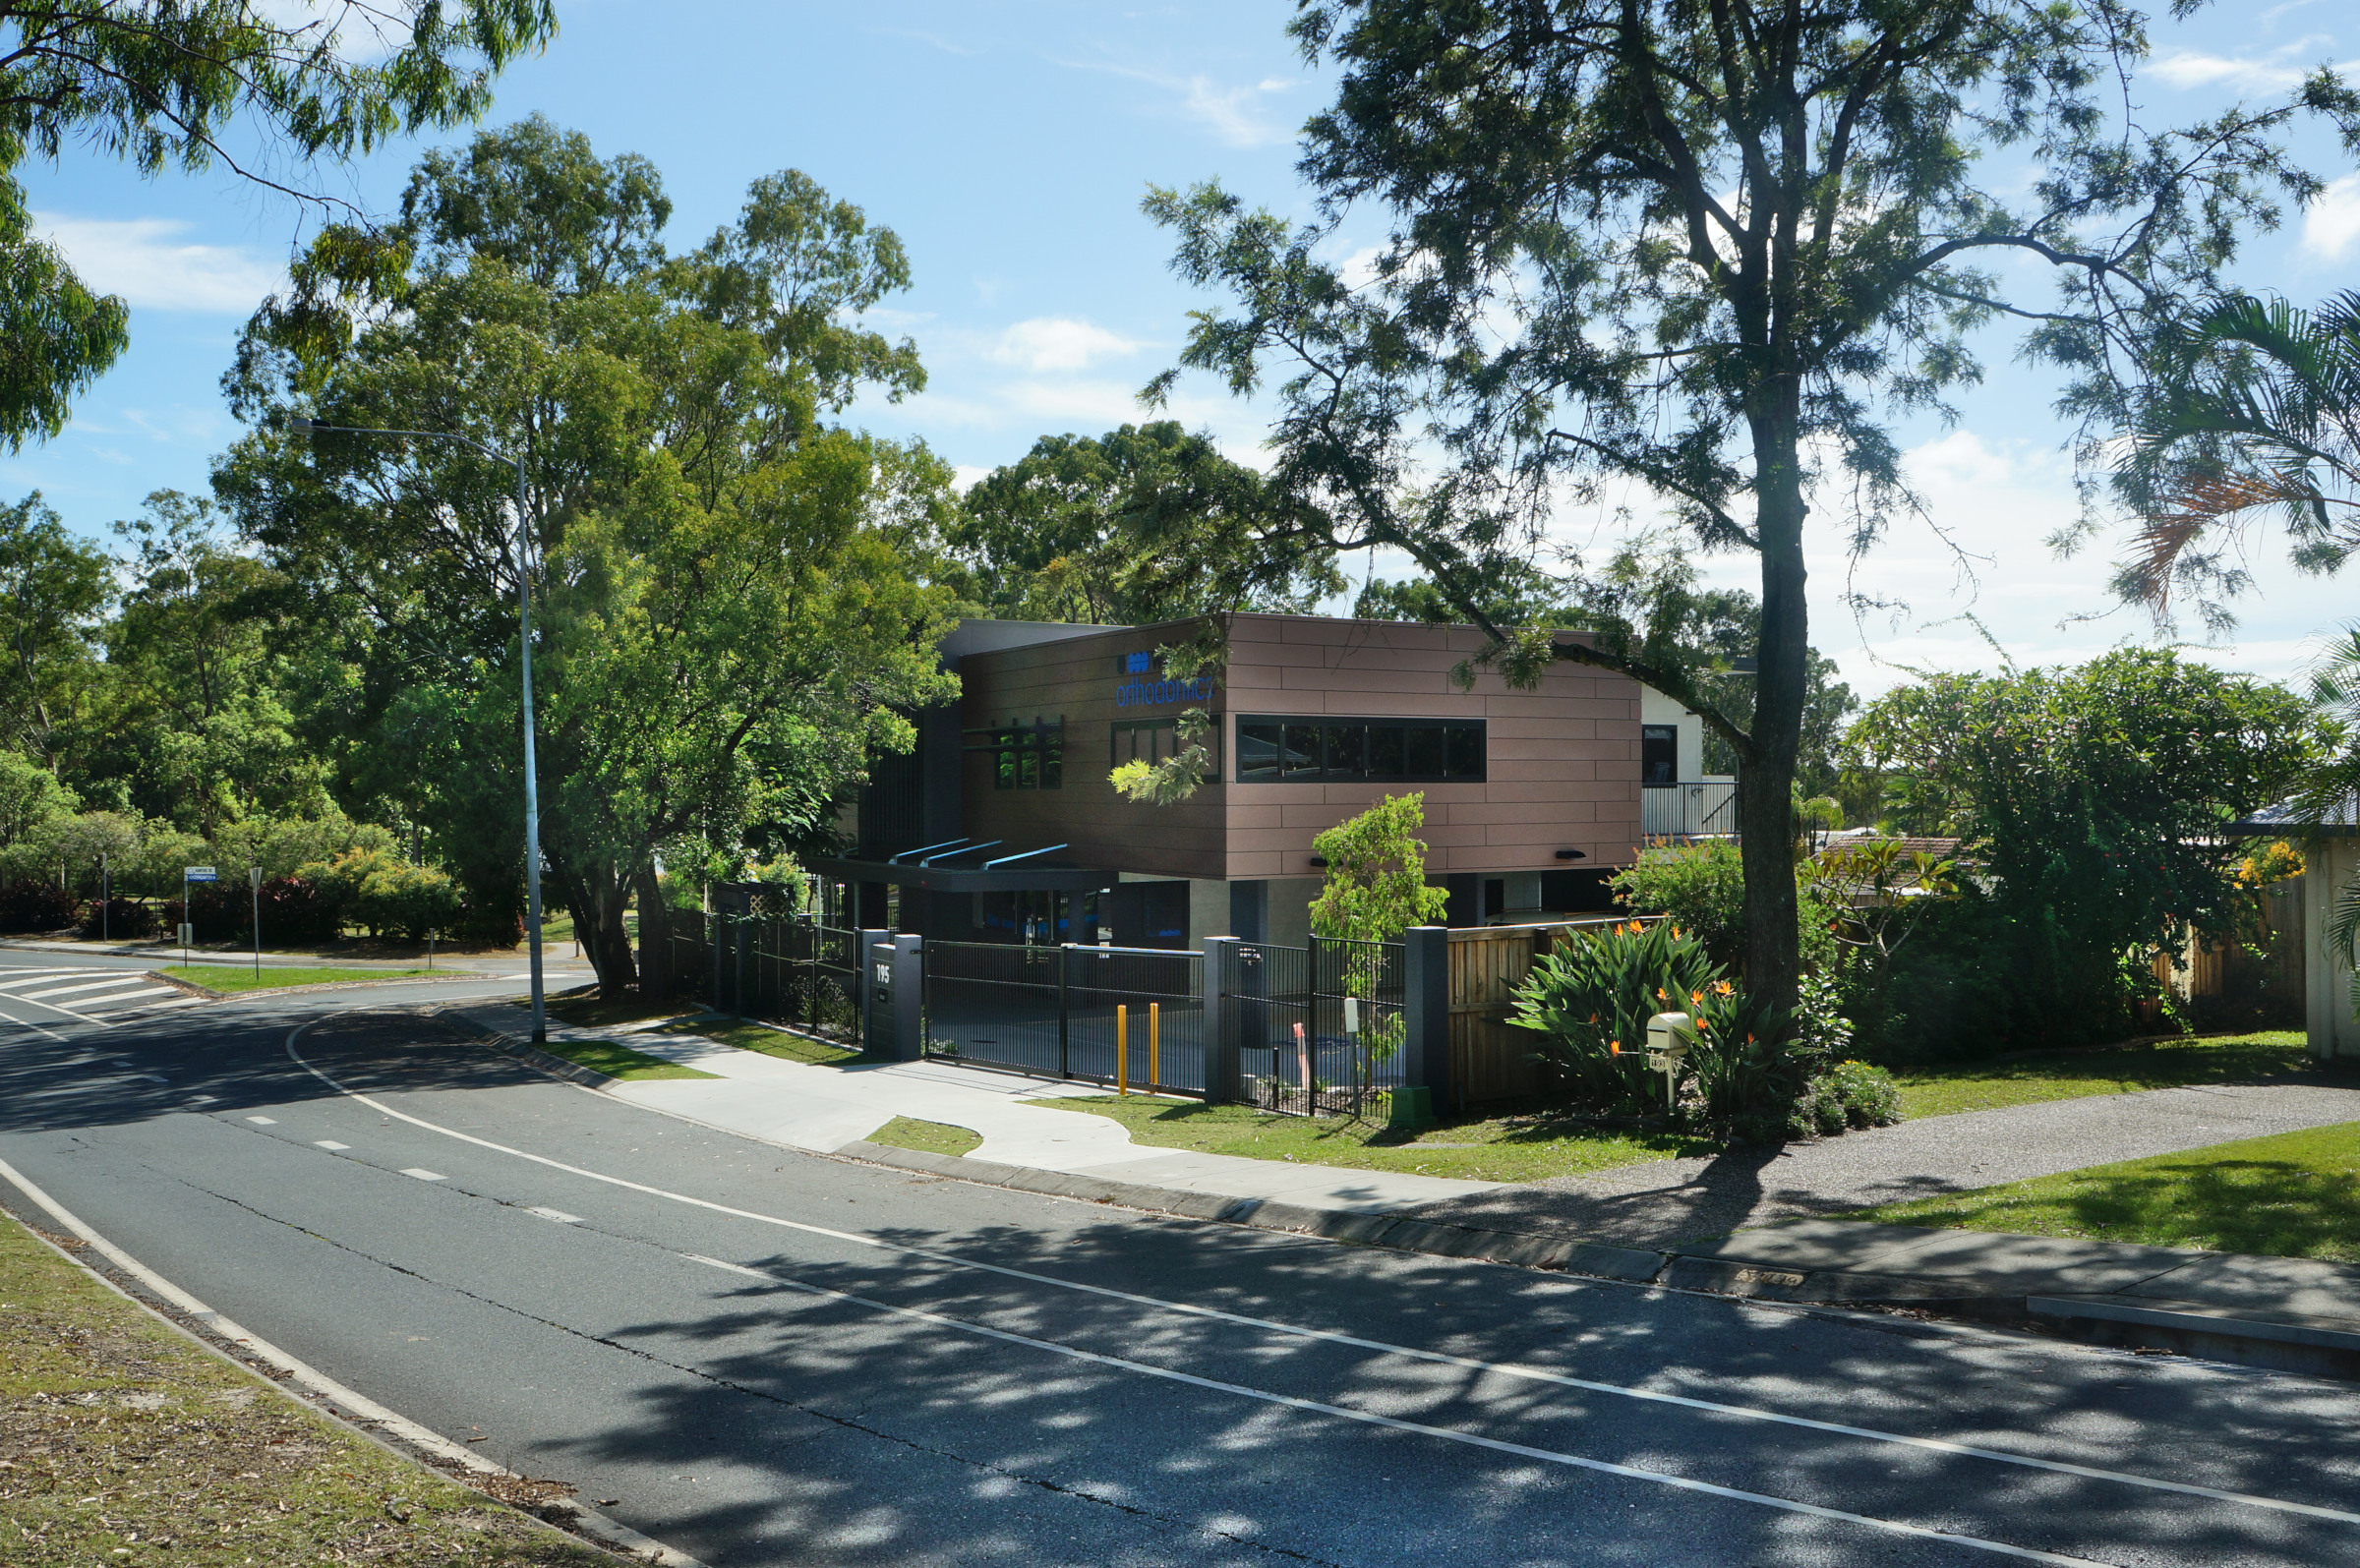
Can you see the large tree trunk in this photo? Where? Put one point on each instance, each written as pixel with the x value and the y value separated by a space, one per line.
pixel 1766 780
pixel 656 980
pixel 598 903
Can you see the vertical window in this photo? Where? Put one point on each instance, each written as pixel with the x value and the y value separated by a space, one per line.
pixel 1347 750
pixel 1303 751
pixel 1258 746
pixel 1465 747
pixel 1023 756
pixel 1424 756
pixel 1659 754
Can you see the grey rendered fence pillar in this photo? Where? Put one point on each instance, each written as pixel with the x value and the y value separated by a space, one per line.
pixel 1426 1017
pixel 1220 1020
pixel 874 989
pixel 908 998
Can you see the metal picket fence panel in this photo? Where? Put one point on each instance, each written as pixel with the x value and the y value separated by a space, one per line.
pixel 993 1004
pixel 1318 1030
pixel 1267 995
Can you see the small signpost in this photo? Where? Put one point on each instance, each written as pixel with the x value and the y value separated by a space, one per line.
pixel 253 875
pixel 188 927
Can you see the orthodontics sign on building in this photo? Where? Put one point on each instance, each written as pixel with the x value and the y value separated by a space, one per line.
pixel 1157 693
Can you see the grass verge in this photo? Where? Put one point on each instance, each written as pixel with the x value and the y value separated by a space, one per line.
pixel 2291 1195
pixel 245 977
pixel 933 1138
pixel 585 1009
pixel 620 1061
pixel 126 1444
pixel 770 1042
pixel 2122 1069
pixel 1504 1148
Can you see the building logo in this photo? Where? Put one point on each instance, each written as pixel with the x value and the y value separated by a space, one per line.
pixel 1155 693
pixel 1138 664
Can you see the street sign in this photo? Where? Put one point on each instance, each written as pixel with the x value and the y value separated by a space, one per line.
pixel 199 874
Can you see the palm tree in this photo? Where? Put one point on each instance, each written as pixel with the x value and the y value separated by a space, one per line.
pixel 2256 406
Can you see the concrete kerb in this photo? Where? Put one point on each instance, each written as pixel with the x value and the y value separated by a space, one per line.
pixel 2307 1347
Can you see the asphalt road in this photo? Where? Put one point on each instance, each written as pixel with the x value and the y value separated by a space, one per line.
pixel 767 1358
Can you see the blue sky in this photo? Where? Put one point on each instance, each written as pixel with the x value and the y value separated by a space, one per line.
pixel 1009 144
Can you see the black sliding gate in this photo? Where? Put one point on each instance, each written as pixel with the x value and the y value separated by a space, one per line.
pixel 1134 1016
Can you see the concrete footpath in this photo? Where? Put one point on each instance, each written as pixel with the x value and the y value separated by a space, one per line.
pixel 1642 1224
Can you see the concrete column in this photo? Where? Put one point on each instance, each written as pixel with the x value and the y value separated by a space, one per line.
pixel 874 989
pixel 1220 1020
pixel 1425 1019
pixel 908 998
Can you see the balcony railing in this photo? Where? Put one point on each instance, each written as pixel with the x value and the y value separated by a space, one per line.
pixel 1688 810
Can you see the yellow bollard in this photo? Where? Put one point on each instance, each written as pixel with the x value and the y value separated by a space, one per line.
pixel 1122 1049
pixel 1154 1036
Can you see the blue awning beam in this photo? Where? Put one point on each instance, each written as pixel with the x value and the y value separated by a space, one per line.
pixel 894 860
pixel 1027 855
pixel 965 848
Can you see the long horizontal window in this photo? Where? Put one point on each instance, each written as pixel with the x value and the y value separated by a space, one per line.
pixel 1275 749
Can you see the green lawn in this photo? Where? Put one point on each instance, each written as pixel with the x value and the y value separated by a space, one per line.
pixel 127 1444
pixel 585 1011
pixel 2070 1075
pixel 770 1042
pixel 933 1138
pixel 244 977
pixel 2293 1194
pixel 1507 1148
pixel 620 1061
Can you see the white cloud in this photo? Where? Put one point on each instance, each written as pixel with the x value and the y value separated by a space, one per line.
pixel 142 259
pixel 1234 114
pixel 2282 69
pixel 965 476
pixel 2331 222
pixel 1057 343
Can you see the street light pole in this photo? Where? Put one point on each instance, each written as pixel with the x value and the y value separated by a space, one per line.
pixel 524 613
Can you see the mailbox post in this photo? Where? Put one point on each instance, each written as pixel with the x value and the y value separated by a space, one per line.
pixel 1669 1035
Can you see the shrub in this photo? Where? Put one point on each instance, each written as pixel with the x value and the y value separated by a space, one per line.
pixel 1590 998
pixel 36 906
pixel 1701 888
pixel 1864 1095
pixel 125 919
pixel 386 893
pixel 1752 1073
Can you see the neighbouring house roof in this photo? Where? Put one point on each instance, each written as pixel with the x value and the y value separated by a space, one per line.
pixel 2287 820
pixel 1939 848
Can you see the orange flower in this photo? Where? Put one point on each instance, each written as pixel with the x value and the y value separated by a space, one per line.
pixel 1614 1046
pixel 1696 998
pixel 1722 988
pixel 1662 995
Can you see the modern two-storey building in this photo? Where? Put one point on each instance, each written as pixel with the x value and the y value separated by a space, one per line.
pixel 1003 825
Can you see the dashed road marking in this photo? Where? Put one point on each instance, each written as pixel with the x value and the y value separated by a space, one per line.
pixel 423 1174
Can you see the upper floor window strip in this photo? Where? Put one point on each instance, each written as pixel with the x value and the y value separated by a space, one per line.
pixel 1275 748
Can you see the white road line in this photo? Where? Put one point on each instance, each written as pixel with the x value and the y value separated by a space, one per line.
pixel 557 1214
pixel 1512 1369
pixel 128 996
pixel 329 1143
pixel 162 1007
pixel 88 985
pixel 423 1174
pixel 37 976
pixel 262 1121
pixel 1267 1396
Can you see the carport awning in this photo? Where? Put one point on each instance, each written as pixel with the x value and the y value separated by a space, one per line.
pixel 954 870
pixel 2287 820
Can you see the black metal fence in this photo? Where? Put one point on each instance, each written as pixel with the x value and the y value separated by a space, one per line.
pixel 1318 1030
pixel 767 958
pixel 1128 1015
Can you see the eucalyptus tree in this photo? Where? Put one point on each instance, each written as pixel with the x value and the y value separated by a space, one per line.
pixel 1144 523
pixel 1713 250
pixel 159 86
pixel 730 612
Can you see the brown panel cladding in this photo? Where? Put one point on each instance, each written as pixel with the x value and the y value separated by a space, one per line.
pixel 1563 770
pixel 1563 767
pixel 1077 681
